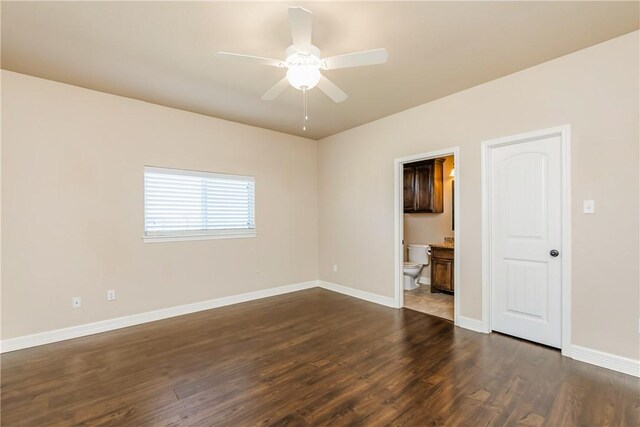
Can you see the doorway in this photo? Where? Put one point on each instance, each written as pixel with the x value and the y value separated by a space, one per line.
pixel 427 188
pixel 526 236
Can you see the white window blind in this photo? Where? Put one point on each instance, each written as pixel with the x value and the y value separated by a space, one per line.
pixel 180 203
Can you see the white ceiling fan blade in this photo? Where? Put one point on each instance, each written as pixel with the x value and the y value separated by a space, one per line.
pixel 331 90
pixel 356 59
pixel 238 57
pixel 300 21
pixel 276 90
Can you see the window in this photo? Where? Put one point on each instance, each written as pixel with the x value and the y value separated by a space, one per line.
pixel 186 205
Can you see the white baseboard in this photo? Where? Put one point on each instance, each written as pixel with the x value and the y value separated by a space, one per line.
pixel 583 354
pixel 606 360
pixel 424 280
pixel 367 296
pixel 471 324
pixel 26 341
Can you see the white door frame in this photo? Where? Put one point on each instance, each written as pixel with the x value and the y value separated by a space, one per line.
pixel 564 132
pixel 399 222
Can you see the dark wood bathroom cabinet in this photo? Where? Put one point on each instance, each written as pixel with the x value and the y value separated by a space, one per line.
pixel 442 271
pixel 423 186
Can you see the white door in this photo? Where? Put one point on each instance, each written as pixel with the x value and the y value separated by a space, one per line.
pixel 526 232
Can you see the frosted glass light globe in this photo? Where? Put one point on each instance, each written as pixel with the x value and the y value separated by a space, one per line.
pixel 303 76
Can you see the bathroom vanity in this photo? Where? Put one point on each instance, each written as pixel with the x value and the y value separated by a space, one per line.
pixel 442 271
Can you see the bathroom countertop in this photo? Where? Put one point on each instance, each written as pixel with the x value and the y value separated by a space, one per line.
pixel 442 245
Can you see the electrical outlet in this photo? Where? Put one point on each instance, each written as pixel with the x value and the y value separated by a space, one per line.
pixel 76 302
pixel 589 206
pixel 111 295
pixel 335 268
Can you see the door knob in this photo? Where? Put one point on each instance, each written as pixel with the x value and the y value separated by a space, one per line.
pixel 554 253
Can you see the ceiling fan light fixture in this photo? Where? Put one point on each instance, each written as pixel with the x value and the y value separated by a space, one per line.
pixel 303 77
pixel 303 68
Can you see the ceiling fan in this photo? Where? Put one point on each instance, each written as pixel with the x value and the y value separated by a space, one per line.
pixel 304 62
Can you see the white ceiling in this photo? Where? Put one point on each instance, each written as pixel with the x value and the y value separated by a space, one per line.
pixel 163 52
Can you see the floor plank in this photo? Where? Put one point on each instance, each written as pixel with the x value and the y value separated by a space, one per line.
pixel 308 358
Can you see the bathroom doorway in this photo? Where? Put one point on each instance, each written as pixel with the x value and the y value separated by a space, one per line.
pixel 426 216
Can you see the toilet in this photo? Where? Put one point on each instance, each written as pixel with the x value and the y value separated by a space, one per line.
pixel 417 257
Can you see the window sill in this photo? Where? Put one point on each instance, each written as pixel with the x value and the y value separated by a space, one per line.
pixel 159 239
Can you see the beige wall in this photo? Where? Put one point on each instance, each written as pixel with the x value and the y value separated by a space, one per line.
pixel 595 91
pixel 72 211
pixel 428 228
pixel 72 164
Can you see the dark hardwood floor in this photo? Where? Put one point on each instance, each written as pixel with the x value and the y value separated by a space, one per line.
pixel 308 358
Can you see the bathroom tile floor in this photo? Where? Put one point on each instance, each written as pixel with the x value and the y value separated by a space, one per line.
pixel 436 304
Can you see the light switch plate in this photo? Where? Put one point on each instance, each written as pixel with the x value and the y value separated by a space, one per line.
pixel 589 206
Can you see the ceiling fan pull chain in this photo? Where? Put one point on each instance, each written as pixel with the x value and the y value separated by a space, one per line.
pixel 304 109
